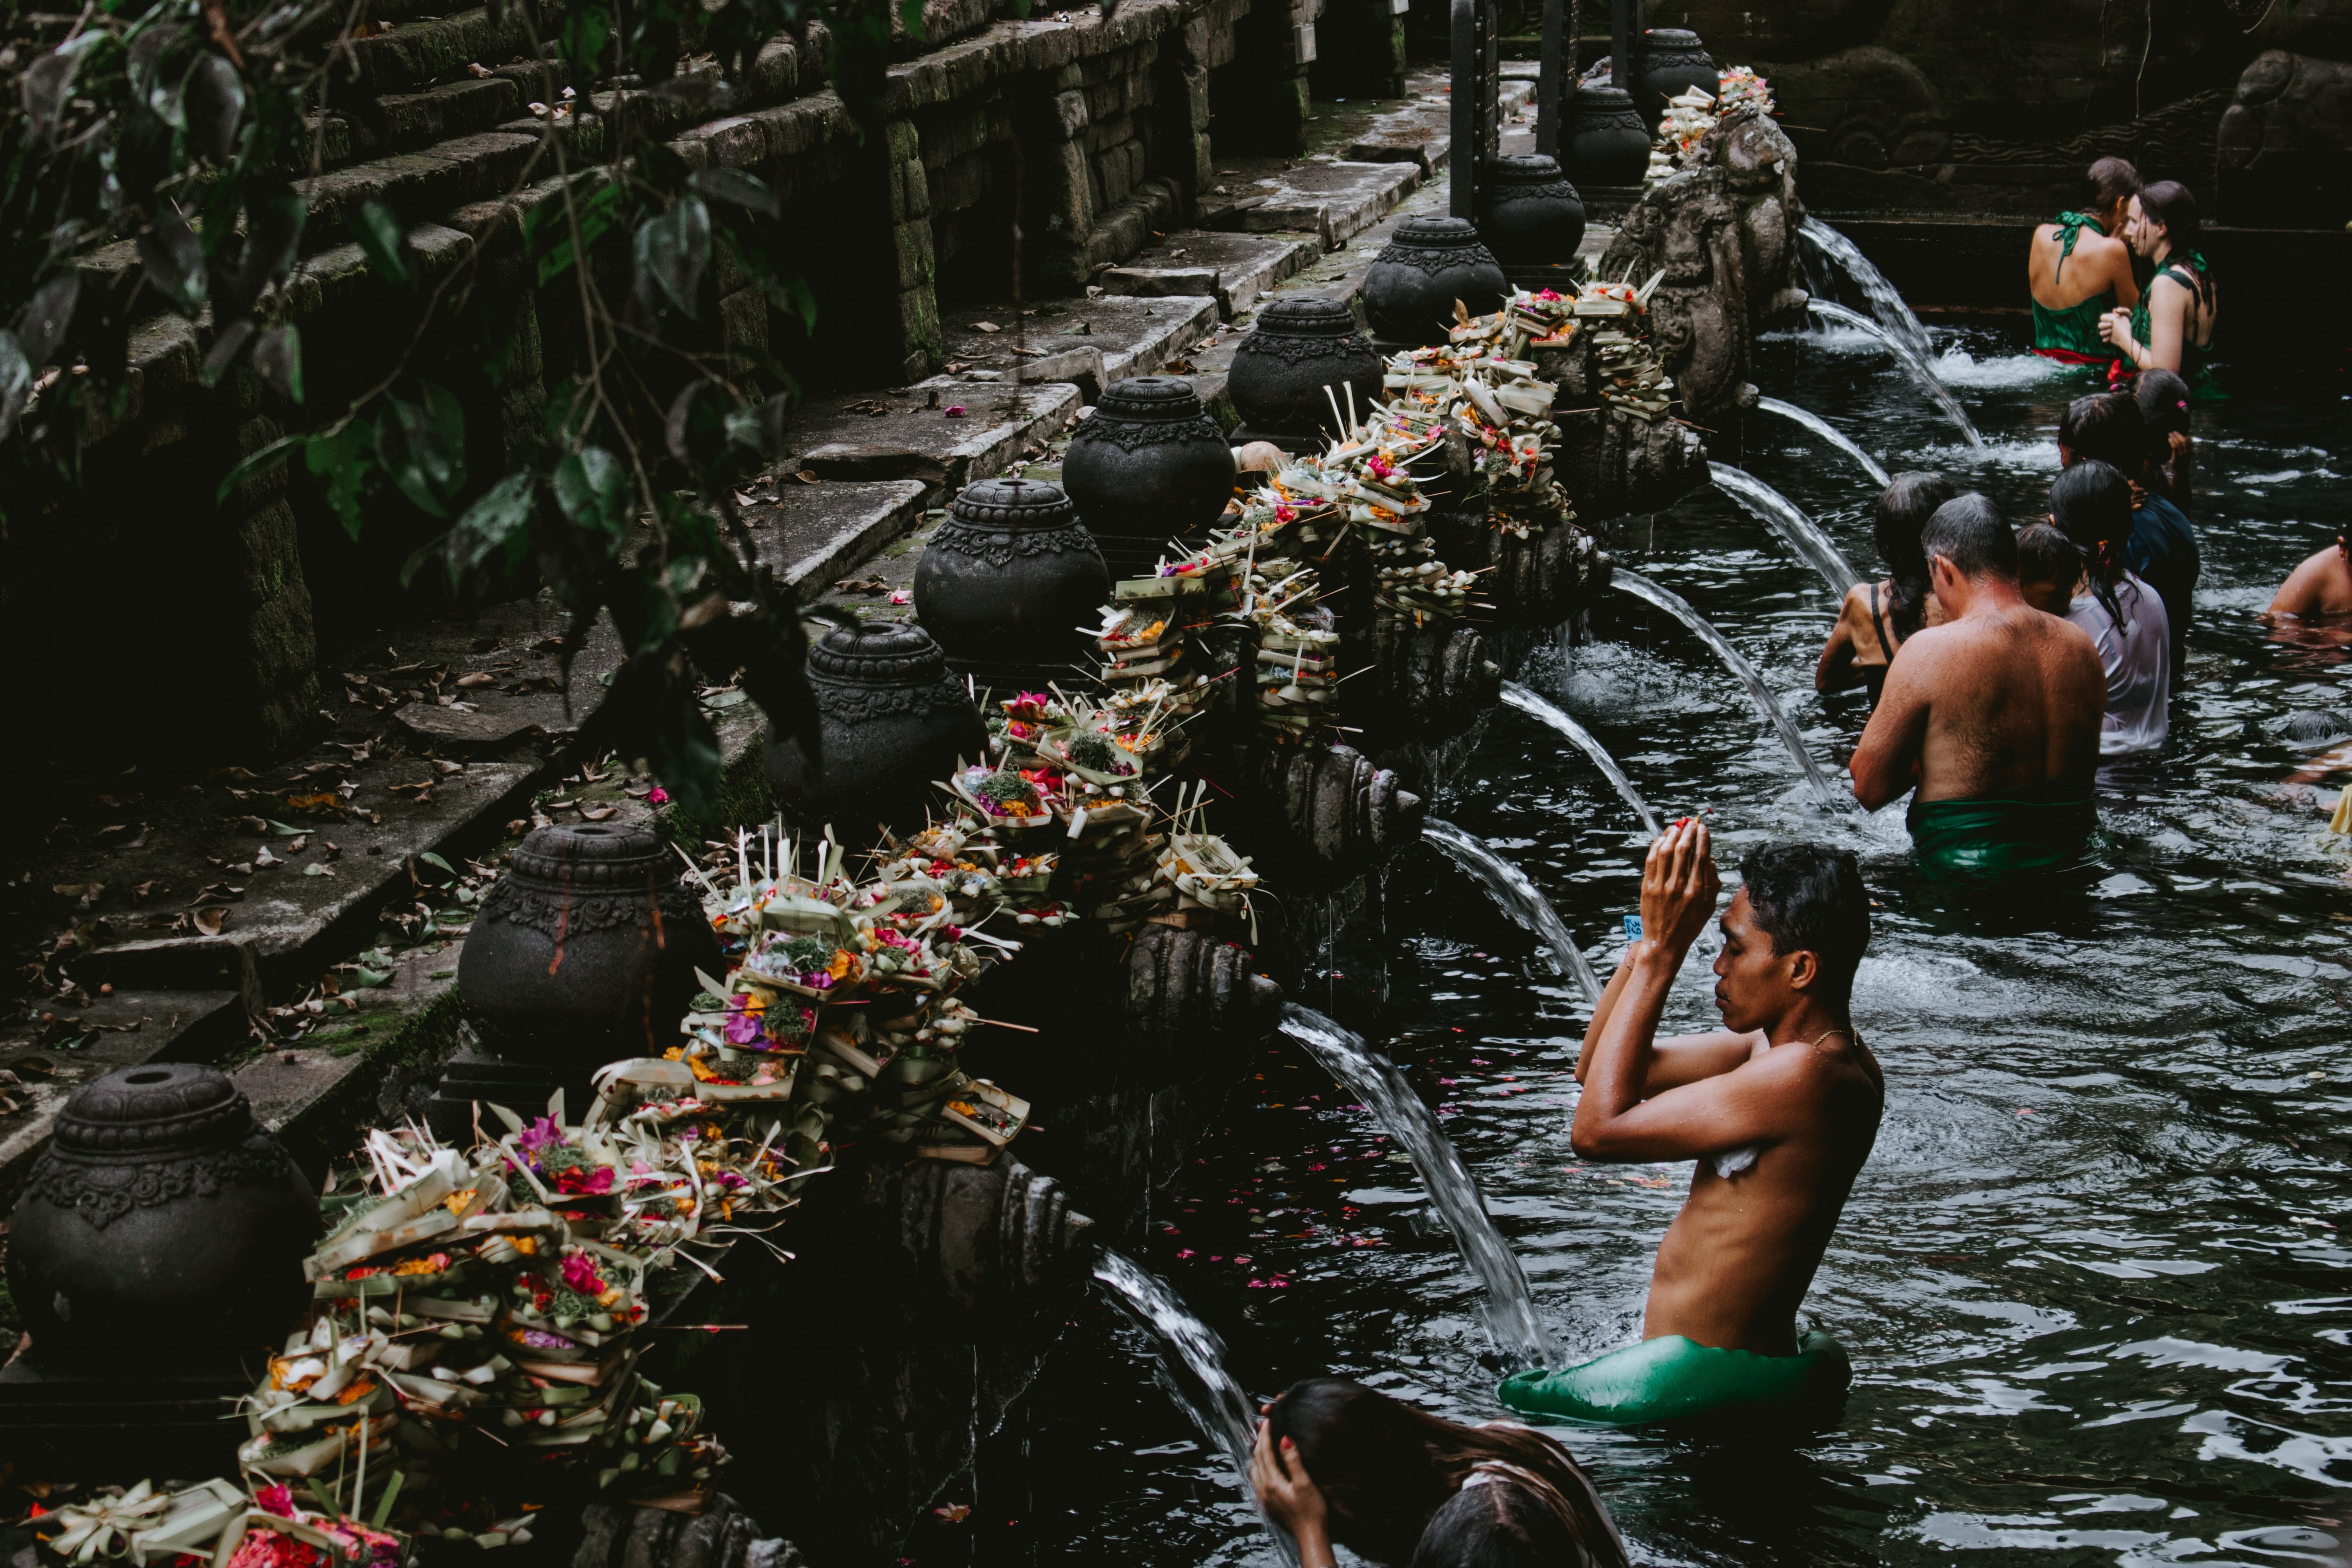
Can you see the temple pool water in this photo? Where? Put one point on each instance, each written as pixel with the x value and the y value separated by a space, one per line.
pixel 2092 1278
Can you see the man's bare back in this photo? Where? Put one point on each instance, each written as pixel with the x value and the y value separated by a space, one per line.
pixel 1788 1099
pixel 2319 589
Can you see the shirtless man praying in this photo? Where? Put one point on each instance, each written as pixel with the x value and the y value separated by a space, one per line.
pixel 1780 1107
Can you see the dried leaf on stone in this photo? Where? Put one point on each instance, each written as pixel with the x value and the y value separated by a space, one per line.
pixel 210 919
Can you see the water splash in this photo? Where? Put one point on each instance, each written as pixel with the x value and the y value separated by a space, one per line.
pixel 1190 1368
pixel 1511 1318
pixel 1830 310
pixel 1887 303
pixel 1545 711
pixel 1516 896
pixel 1649 592
pixel 1790 521
pixel 1830 432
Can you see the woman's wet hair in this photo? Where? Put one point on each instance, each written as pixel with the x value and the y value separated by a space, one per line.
pixel 2106 426
pixel 2047 555
pixel 2111 181
pixel 1496 1526
pixel 1810 898
pixel 1385 1468
pixel 1969 531
pixel 2168 202
pixel 1903 509
pixel 2091 504
pixel 2163 401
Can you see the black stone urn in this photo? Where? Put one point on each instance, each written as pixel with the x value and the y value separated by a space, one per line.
pixel 1010 582
pixel 1298 347
pixel 1671 61
pixel 162 1233
pixel 1604 141
pixel 891 721
pixel 1411 289
pixel 1148 467
pixel 1534 217
pixel 584 953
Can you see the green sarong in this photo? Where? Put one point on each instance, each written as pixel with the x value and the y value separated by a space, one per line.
pixel 1968 838
pixel 1672 1377
pixel 2072 334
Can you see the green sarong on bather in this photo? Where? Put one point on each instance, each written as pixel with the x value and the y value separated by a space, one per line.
pixel 1672 1377
pixel 1999 837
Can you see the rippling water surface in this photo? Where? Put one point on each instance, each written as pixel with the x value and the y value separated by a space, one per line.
pixel 2092 1278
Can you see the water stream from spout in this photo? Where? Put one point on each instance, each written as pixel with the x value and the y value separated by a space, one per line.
pixel 1885 301
pixel 1511 1318
pixel 1649 592
pixel 1831 310
pixel 1830 432
pixel 1517 897
pixel 1191 1367
pixel 1545 711
pixel 1788 520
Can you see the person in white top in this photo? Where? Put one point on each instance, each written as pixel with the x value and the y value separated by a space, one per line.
pixel 2091 504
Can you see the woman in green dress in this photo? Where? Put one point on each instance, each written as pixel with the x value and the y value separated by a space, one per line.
pixel 2079 268
pixel 2171 328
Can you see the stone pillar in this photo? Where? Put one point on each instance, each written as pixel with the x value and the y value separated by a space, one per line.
pixel 910 244
pixel 273 652
pixel 1260 100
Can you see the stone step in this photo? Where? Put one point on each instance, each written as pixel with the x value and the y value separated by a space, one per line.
pixel 79 1042
pixel 1136 335
pixel 913 434
pixel 1236 268
pixel 815 535
pixel 1330 198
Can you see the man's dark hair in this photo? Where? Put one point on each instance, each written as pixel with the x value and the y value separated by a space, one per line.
pixel 1810 898
pixel 2107 426
pixel 2109 181
pixel 1969 531
pixel 1903 508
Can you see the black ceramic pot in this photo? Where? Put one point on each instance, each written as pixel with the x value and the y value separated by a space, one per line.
pixel 1010 580
pixel 1604 141
pixel 1671 62
pixel 584 953
pixel 1298 347
pixel 1534 217
pixel 891 720
pixel 1146 467
pixel 162 1231
pixel 1410 291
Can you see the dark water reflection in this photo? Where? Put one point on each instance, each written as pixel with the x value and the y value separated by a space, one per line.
pixel 2092 1278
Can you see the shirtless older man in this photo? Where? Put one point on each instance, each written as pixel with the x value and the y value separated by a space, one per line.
pixel 1993 717
pixel 1779 1109
pixel 2318 590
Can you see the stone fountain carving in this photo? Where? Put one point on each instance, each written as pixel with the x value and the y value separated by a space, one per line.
pixel 1724 235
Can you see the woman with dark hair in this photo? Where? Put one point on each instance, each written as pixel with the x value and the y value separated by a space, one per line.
pixel 2090 503
pixel 1340 1462
pixel 2171 328
pixel 2162 549
pixel 1877 616
pixel 2079 268
pixel 2163 399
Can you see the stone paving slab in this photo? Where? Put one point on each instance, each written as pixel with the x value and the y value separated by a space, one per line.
pixel 1136 336
pixel 812 534
pixel 83 1041
pixel 912 436
pixel 1332 198
pixel 1234 266
pixel 290 1084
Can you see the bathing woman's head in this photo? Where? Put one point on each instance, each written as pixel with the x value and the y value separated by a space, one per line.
pixel 2105 426
pixel 2107 191
pixel 1795 930
pixel 1903 509
pixel 1385 1470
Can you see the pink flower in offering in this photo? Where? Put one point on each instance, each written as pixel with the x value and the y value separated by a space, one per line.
pixel 657 796
pixel 543 1133
pixel 580 1274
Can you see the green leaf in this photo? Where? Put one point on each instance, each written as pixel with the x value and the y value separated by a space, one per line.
pixel 430 859
pixel 343 460
pixel 734 185
pixel 422 449
pixel 224 352
pixel 41 325
pixel 582 42
pixel 381 239
pixel 591 485
pixel 16 384
pixel 910 17
pixel 673 249
pixel 596 212
pixel 497 524
pixel 260 462
pixel 214 105
pixel 278 357
pixel 760 427
pixel 175 261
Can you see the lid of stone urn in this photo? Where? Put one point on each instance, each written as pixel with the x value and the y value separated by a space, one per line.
pixel 1437 234
pixel 590 854
pixel 1532 169
pixel 1309 315
pixel 1017 505
pixel 1167 397
pixel 1662 38
pixel 1602 100
pixel 879 653
pixel 161 1108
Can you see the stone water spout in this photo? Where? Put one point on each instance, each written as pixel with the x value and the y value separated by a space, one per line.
pixel 1921 372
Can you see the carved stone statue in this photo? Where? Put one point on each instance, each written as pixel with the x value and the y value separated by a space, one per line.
pixel 1724 235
